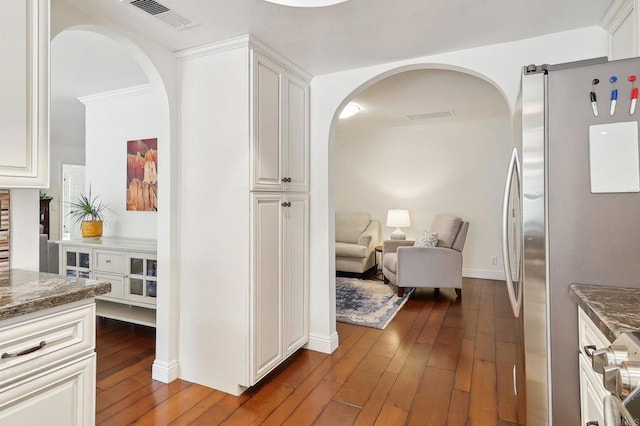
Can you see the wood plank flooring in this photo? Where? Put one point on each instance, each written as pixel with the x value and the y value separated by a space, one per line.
pixel 441 361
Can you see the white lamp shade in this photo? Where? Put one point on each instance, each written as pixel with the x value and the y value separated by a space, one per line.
pixel 398 218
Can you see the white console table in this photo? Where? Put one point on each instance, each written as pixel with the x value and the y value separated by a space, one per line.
pixel 130 265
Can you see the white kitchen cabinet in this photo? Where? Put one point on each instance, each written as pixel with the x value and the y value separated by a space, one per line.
pixel 280 127
pixel 24 88
pixel 130 266
pixel 279 296
pixel 621 22
pixel 47 371
pixel 245 255
pixel 62 396
pixel 592 391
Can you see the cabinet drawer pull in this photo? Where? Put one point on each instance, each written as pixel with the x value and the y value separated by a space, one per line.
pixel 592 423
pixel 25 352
pixel 589 350
pixel 108 261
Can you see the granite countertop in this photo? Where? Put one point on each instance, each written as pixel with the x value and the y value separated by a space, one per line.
pixel 23 292
pixel 614 310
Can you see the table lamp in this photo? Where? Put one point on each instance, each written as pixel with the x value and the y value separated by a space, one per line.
pixel 399 219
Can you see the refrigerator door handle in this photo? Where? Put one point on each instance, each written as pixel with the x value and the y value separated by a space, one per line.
pixel 515 298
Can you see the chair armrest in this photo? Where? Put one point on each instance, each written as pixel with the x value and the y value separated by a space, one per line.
pixel 371 235
pixel 391 246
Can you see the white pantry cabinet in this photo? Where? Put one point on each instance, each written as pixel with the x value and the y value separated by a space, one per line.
pixel 280 127
pixel 24 94
pixel 245 234
pixel 279 295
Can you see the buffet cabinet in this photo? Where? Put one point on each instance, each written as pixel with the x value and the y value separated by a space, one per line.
pixel 129 265
pixel 24 88
pixel 592 391
pixel 48 367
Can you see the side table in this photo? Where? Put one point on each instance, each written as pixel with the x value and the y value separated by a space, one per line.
pixel 379 275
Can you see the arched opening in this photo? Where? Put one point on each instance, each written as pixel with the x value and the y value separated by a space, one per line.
pixel 106 91
pixel 430 138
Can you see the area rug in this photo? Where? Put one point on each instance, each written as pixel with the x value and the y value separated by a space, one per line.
pixel 366 302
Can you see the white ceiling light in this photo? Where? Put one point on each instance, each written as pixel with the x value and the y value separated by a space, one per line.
pixel 306 3
pixel 350 109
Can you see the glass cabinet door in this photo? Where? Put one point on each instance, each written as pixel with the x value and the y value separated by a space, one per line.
pixel 141 278
pixel 77 262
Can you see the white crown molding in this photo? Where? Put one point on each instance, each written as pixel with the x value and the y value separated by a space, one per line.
pixel 114 94
pixel 213 48
pixel 244 41
pixel 615 14
pixel 257 44
pixel 324 344
pixel 483 274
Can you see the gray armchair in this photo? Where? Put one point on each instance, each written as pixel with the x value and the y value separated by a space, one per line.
pixel 405 265
pixel 357 235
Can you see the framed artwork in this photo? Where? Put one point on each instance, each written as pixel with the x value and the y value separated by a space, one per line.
pixel 142 175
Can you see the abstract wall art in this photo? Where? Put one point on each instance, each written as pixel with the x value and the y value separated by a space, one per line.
pixel 142 175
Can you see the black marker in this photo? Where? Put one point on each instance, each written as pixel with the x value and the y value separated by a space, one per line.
pixel 592 96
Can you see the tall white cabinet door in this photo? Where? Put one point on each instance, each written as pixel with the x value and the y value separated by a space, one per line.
pixel 296 272
pixel 267 116
pixel 24 90
pixel 266 289
pixel 297 134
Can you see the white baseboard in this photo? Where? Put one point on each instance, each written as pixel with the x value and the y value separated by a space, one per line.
pixel 483 274
pixel 164 372
pixel 324 344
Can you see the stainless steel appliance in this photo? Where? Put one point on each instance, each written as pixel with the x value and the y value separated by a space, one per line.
pixel 619 365
pixel 564 221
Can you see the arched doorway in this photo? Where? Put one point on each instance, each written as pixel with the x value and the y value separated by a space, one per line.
pixel 152 72
pixel 358 87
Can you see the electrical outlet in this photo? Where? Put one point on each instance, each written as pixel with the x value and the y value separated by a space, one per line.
pixel 494 260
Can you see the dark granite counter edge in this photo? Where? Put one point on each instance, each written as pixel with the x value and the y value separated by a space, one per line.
pixel 609 330
pixel 47 302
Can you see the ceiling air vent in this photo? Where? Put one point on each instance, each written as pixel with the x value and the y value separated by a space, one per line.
pixel 428 115
pixel 163 13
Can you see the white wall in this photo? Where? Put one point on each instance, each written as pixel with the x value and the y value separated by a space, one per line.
pixel 500 64
pixel 111 120
pixel 453 167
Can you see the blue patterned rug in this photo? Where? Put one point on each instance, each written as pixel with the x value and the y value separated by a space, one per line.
pixel 368 303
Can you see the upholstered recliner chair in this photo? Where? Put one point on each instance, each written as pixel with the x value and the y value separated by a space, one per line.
pixel 357 235
pixel 406 265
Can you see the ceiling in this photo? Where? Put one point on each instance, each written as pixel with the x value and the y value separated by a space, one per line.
pixel 388 102
pixel 85 63
pixel 354 33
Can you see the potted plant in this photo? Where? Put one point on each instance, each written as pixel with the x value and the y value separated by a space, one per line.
pixel 89 212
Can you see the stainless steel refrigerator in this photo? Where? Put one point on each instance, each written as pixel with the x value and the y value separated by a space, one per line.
pixel 571 214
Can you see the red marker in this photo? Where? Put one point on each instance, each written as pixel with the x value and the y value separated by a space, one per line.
pixel 634 94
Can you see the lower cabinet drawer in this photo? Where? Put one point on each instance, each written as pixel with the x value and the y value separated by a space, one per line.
pixel 39 343
pixel 589 334
pixel 117 286
pixel 109 261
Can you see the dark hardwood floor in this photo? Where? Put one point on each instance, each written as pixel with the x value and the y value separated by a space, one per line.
pixel 441 361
